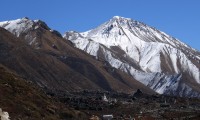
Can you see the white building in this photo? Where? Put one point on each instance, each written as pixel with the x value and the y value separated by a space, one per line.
pixel 105 98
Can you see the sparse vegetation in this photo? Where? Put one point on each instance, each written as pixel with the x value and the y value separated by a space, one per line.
pixel 23 100
pixel 139 105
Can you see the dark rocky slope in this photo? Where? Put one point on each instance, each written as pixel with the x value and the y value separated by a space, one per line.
pixel 55 65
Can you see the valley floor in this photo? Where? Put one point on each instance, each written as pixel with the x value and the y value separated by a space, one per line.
pixel 139 106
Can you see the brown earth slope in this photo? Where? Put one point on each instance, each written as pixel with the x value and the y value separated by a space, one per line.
pixel 56 65
pixel 25 101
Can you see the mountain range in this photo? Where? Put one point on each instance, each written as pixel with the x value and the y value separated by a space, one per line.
pixel 120 55
pixel 34 51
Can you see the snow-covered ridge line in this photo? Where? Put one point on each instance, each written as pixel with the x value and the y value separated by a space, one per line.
pixel 17 26
pixel 23 25
pixel 149 55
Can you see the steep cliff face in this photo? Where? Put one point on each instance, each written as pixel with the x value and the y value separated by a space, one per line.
pixel 159 61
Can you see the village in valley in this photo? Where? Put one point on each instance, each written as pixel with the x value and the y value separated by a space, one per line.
pixel 100 105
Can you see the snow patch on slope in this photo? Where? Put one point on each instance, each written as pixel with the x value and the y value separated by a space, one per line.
pixel 17 26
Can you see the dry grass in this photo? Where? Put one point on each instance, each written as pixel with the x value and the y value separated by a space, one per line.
pixel 26 101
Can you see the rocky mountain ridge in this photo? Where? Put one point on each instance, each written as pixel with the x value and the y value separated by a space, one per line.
pixel 41 55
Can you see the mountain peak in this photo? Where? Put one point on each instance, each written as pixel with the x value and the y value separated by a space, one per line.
pixel 117 17
pixel 147 54
pixel 121 20
pixel 118 27
pixel 17 26
pixel 26 18
pixel 22 25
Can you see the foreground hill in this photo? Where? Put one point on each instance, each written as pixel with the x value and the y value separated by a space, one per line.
pixel 23 100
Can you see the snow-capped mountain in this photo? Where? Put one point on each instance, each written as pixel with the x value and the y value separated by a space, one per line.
pixel 35 52
pixel 152 57
pixel 28 29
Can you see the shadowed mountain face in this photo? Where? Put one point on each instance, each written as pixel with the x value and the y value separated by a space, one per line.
pixel 24 100
pixel 42 56
pixel 150 56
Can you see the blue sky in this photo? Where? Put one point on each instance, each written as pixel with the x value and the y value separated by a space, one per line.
pixel 178 18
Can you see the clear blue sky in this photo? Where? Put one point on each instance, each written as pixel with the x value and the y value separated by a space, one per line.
pixel 178 18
